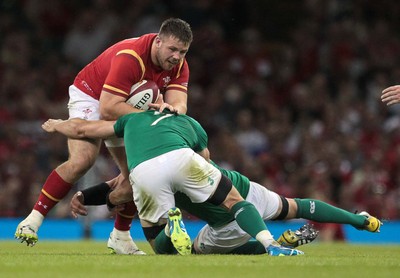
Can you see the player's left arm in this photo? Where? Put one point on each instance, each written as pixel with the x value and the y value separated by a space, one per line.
pixel 177 99
pixel 79 128
pixel 176 92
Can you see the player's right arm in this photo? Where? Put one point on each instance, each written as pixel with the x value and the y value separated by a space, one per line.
pixel 79 128
pixel 125 70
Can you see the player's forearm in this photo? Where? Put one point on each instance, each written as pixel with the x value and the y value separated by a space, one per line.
pixel 177 99
pixel 79 128
pixel 180 107
pixel 71 128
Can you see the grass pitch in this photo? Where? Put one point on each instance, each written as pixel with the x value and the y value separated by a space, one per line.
pixel 91 259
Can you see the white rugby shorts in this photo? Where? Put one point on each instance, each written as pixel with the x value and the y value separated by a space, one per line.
pixel 85 107
pixel 155 181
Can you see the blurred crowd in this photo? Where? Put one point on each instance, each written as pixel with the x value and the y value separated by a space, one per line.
pixel 288 91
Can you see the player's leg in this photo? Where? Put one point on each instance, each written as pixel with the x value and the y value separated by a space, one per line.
pixel 120 240
pixel 170 238
pixel 320 211
pixel 154 198
pixel 176 230
pixel 248 218
pixel 161 242
pixel 271 207
pixel 201 182
pixel 222 240
pixel 82 154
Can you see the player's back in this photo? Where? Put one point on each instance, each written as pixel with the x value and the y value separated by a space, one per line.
pixel 150 134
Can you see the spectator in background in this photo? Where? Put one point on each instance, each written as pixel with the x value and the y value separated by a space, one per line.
pixel 251 139
pixel 90 35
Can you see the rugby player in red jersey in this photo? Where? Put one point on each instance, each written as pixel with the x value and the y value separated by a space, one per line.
pixel 99 91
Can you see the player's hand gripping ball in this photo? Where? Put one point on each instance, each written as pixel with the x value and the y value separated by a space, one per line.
pixel 142 94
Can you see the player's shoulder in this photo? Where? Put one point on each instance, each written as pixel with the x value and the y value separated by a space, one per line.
pixel 191 120
pixel 146 39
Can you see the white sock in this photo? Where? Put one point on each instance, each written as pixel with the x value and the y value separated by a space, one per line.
pixel 265 238
pixel 124 235
pixel 34 219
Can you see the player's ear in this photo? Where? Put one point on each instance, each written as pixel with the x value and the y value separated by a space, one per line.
pixel 158 41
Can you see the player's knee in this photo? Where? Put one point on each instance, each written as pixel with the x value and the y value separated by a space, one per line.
pixel 285 207
pixel 292 211
pixel 79 165
pixel 233 198
pixel 288 209
pixel 78 168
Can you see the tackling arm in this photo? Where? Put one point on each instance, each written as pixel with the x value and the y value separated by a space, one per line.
pixel 79 128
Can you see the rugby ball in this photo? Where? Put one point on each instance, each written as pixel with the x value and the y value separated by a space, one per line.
pixel 142 94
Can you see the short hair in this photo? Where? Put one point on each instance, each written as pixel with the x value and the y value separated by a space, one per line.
pixel 177 28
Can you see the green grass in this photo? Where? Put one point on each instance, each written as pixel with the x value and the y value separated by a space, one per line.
pixel 91 259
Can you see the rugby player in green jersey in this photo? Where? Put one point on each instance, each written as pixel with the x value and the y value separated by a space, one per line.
pixel 223 234
pixel 167 153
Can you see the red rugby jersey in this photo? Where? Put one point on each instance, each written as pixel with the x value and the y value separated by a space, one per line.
pixel 126 63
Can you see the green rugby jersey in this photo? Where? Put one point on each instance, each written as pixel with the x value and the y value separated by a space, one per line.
pixel 149 134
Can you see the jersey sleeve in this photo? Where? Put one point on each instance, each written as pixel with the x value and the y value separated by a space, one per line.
pixel 119 126
pixel 181 80
pixel 125 70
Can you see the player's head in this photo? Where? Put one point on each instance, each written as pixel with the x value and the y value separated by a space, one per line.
pixel 172 43
pixel 177 28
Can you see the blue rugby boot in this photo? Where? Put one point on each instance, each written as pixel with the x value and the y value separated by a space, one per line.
pixel 277 250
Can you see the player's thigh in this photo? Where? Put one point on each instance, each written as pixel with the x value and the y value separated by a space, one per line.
pixel 82 106
pixel 83 152
pixel 152 189
pixel 267 202
pixel 82 155
pixel 197 178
